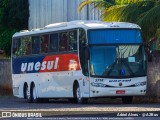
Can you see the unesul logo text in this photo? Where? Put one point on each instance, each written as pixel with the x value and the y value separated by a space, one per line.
pixel 45 65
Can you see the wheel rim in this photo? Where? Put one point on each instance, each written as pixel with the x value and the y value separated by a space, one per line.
pixel 27 93
pixel 78 93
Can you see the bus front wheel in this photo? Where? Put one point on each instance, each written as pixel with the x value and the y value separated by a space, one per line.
pixel 79 98
pixel 127 99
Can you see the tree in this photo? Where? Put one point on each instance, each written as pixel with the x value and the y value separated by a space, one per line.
pixel 14 16
pixel 142 12
pixel 111 9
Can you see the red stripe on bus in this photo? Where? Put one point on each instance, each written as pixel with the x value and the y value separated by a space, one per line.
pixel 64 62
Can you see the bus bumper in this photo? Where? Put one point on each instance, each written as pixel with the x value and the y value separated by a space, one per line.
pixel 104 92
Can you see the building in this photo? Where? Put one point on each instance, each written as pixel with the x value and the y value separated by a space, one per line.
pixel 44 12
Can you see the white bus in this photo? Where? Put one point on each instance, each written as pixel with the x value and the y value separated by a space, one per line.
pixel 79 60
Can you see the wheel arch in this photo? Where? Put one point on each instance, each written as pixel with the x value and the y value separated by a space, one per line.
pixel 32 83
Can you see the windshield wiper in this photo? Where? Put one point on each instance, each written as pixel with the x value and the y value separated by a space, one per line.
pixel 111 68
pixel 119 62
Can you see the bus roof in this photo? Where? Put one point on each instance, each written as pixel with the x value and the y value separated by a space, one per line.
pixel 89 24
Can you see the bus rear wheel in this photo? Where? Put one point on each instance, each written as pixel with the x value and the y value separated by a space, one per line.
pixel 34 94
pixel 27 94
pixel 127 99
pixel 79 98
pixel 25 88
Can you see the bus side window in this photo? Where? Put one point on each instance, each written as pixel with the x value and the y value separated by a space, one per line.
pixel 16 46
pixel 63 43
pixel 73 40
pixel 35 45
pixel 44 43
pixel 26 45
pixel 53 43
pixel 21 48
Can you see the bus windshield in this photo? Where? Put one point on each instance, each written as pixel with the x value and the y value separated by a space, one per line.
pixel 116 53
pixel 117 61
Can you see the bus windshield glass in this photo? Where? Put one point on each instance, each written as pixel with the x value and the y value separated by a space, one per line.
pixel 117 61
pixel 110 58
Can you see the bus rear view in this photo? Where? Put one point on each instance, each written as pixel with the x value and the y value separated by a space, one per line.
pixel 117 63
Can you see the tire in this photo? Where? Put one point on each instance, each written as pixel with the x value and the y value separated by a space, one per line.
pixel 25 91
pixel 33 92
pixel 80 100
pixel 127 100
pixel 27 94
pixel 72 100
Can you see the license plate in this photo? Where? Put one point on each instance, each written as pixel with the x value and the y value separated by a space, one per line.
pixel 120 91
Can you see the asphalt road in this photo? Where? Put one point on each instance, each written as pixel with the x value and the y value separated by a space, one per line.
pixel 105 109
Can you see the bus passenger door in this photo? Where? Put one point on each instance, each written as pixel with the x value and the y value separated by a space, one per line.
pixel 86 80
